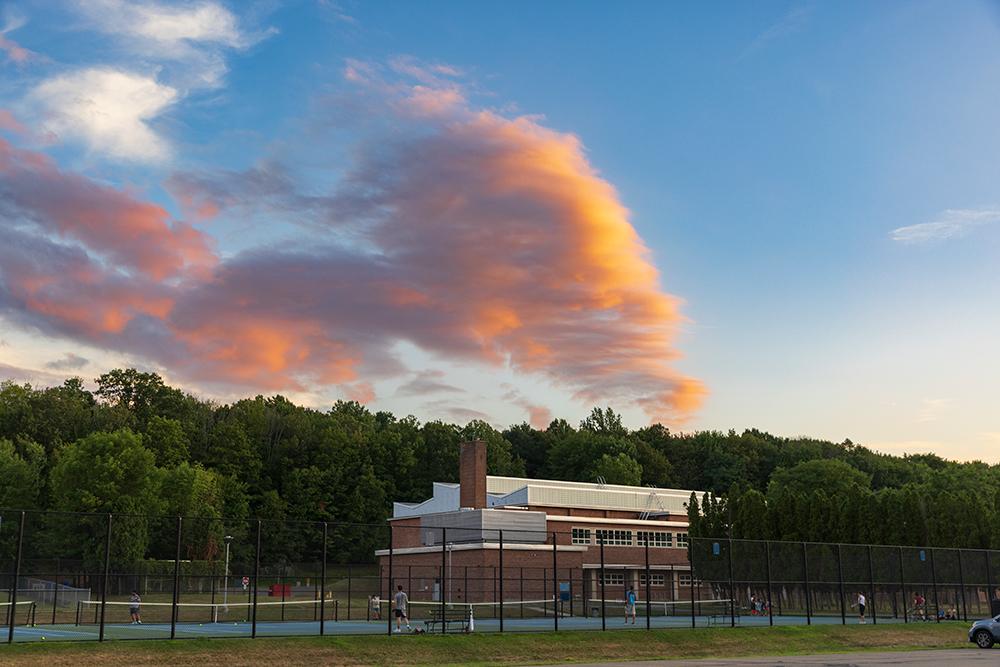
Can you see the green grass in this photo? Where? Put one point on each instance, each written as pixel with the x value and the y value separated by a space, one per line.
pixel 496 649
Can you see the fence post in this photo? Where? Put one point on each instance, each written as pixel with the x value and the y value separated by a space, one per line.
pixel 555 584
pixel 902 584
pixel 12 619
pixel 805 575
pixel 107 579
pixel 500 551
pixel 348 592
pixel 732 588
pixel 691 578
pixel 177 579
pixel 767 573
pixel 522 590
pixel 388 616
pixel 937 606
pixel 989 582
pixel 604 625
pixel 256 581
pixel 840 578
pixel 649 604
pixel 55 594
pixel 322 585
pixel 871 581
pixel 961 583
pixel 444 558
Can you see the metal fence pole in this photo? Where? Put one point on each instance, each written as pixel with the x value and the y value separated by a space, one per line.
pixel 805 575
pixel 555 584
pixel 767 571
pixel 691 578
pixel 12 616
pixel 444 559
pixel 322 584
pixel 961 583
pixel 648 584
pixel 902 584
pixel 732 588
pixel 177 579
pixel 871 582
pixel 500 552
pixel 256 580
pixel 937 606
pixel 107 579
pixel 348 592
pixel 604 625
pixel 388 616
pixel 989 582
pixel 840 578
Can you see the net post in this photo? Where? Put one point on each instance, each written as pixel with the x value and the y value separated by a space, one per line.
pixel 902 584
pixel 256 581
pixel 106 579
pixel 649 601
pixel 322 584
pixel 603 616
pixel 805 576
pixel 55 595
pixel 177 579
pixel 934 587
pixel 871 581
pixel 555 584
pixel 12 615
pixel 79 604
pixel 840 580
pixel 691 565
pixel 388 597
pixel 444 557
pixel 732 588
pixel 500 545
pixel 767 571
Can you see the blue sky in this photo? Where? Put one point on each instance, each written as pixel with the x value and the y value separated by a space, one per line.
pixel 816 182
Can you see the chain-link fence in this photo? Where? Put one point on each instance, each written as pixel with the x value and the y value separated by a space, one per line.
pixel 72 576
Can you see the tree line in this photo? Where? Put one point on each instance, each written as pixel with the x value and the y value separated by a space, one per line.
pixel 136 446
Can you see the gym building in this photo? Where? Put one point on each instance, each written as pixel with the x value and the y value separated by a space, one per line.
pixel 531 537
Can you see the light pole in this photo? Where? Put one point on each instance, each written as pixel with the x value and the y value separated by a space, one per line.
pixel 225 587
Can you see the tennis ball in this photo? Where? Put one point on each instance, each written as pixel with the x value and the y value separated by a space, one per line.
pixel 43 638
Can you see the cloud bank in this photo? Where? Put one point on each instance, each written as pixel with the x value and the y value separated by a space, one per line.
pixel 952 223
pixel 476 237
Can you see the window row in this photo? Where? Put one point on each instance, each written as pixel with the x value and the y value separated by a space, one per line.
pixel 626 538
pixel 655 579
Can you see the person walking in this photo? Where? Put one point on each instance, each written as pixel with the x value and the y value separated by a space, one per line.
pixel 133 608
pixel 399 603
pixel 630 600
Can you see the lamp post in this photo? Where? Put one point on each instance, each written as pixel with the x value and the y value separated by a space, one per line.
pixel 225 587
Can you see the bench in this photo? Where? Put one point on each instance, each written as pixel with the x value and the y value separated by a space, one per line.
pixel 446 618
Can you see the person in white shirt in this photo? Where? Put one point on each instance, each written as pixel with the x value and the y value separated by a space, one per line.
pixel 861 607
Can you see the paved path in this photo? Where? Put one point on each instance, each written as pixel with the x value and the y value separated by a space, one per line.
pixel 957 658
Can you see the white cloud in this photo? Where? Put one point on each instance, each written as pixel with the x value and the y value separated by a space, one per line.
pixel 931 409
pixel 794 20
pixel 108 110
pixel 952 223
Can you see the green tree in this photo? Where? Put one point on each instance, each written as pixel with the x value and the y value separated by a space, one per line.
pixel 618 469
pixel 21 473
pixel 835 477
pixel 167 440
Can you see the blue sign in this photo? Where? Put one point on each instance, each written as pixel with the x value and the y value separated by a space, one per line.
pixel 923 556
pixel 564 591
pixel 716 549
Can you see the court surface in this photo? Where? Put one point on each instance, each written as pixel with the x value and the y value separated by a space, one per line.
pixel 117 631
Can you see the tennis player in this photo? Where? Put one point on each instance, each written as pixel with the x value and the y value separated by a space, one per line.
pixel 133 608
pixel 630 600
pixel 399 608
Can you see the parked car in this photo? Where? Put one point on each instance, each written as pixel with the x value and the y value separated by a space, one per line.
pixel 986 632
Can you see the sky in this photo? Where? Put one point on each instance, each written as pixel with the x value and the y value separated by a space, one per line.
pixel 773 215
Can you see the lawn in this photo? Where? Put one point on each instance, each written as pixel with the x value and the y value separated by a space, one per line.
pixel 495 649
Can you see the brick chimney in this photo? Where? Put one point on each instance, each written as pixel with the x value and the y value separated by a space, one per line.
pixel 472 474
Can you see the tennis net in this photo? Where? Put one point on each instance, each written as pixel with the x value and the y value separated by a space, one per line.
pixel 120 612
pixel 429 610
pixel 23 612
pixel 715 607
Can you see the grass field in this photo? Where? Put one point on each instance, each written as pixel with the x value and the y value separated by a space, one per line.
pixel 496 649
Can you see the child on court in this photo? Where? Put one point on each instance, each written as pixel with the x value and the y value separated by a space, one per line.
pixel 133 608
pixel 862 601
pixel 375 607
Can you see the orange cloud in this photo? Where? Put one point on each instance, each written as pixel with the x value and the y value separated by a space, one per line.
pixel 468 234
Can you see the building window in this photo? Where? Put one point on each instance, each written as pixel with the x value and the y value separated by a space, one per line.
pixel 682 540
pixel 656 539
pixel 615 538
pixel 613 578
pixel 581 536
pixel 684 579
pixel 655 579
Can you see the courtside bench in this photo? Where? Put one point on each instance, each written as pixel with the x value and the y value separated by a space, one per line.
pixel 448 617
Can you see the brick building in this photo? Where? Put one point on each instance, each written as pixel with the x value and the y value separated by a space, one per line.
pixel 551 531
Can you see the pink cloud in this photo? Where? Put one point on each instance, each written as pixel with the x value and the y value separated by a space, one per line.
pixel 473 236
pixel 15 52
